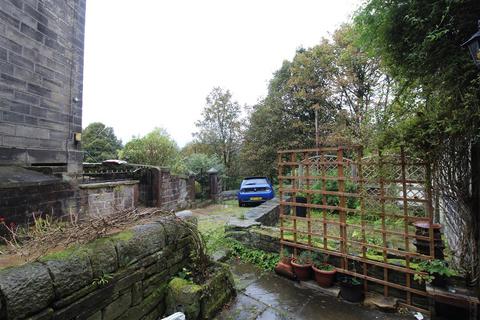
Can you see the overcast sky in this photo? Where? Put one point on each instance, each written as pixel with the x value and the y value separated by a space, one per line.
pixel 151 63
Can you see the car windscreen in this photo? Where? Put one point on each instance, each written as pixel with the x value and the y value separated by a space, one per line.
pixel 252 182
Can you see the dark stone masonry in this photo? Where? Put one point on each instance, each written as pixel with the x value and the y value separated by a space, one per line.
pixel 41 82
pixel 124 276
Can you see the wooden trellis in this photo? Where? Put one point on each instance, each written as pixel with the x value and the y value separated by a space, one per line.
pixel 359 210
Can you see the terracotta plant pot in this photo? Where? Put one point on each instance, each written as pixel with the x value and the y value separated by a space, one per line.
pixel 350 291
pixel 324 278
pixel 302 271
pixel 284 268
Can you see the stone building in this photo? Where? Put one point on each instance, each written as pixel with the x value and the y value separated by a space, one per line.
pixel 41 75
pixel 41 81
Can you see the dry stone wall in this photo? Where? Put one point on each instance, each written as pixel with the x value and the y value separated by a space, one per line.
pixel 123 276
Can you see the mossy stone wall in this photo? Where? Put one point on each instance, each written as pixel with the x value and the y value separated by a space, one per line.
pixel 123 276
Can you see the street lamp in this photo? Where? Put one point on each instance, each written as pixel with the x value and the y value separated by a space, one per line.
pixel 474 46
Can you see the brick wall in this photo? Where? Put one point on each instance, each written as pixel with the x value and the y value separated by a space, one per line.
pixel 41 75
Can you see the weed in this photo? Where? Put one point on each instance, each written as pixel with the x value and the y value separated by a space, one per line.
pixel 103 279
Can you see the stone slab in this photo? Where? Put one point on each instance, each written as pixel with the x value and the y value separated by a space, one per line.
pixel 13 177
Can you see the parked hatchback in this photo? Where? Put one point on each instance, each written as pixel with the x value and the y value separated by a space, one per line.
pixel 255 190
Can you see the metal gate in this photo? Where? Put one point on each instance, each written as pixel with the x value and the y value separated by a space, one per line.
pixel 360 211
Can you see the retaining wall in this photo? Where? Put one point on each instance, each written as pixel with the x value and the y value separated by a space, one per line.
pixel 123 276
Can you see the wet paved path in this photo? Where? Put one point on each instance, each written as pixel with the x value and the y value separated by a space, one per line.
pixel 266 296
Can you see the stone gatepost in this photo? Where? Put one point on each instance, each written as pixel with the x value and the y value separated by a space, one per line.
pixel 214 184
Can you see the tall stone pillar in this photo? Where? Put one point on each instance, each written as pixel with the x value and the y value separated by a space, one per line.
pixel 214 184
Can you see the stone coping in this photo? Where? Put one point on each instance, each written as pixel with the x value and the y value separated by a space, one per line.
pixel 13 177
pixel 98 185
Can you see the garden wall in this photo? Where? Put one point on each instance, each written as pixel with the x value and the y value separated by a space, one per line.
pixel 23 192
pixel 123 276
pixel 105 198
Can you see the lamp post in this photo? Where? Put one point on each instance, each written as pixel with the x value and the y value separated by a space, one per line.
pixel 473 45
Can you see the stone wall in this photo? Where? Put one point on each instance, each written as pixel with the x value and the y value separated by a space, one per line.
pixel 256 237
pixel 41 77
pixel 123 276
pixel 23 192
pixel 105 198
pixel 174 192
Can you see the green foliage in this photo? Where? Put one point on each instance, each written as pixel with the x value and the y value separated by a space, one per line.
pixel 332 200
pixel 305 257
pixel 221 128
pixel 262 259
pixel 437 100
pixel 199 163
pixel 99 143
pixel 157 148
pixel 433 268
pixel 185 274
pixel 320 261
pixel 339 80
pixel 103 279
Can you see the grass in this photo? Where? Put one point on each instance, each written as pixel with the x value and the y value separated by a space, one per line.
pixel 211 225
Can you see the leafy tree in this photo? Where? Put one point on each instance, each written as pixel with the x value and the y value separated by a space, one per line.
pixel 338 81
pixel 436 110
pixel 221 128
pixel 157 148
pixel 200 163
pixel 100 143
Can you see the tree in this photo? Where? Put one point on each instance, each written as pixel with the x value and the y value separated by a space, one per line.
pixel 100 143
pixel 200 163
pixel 157 148
pixel 221 128
pixel 436 111
pixel 334 85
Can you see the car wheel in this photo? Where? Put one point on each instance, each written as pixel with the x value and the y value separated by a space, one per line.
pixel 240 203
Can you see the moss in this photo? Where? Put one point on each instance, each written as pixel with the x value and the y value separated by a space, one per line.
pixel 398 262
pixel 123 236
pixel 82 250
pixel 182 285
pixel 73 251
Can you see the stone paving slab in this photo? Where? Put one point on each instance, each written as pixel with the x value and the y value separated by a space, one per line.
pixel 266 296
pixel 243 308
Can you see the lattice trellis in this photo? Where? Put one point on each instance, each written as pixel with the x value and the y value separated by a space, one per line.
pixel 360 211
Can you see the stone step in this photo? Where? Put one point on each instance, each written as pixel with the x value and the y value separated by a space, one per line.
pixel 377 301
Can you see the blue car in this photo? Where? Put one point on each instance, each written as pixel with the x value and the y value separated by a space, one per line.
pixel 255 190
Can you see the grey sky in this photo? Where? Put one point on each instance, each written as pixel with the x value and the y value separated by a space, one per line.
pixel 151 63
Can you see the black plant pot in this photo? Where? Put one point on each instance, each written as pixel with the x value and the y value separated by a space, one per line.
pixel 439 280
pixel 351 292
pixel 300 211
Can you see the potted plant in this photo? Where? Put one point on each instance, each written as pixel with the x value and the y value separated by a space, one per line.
pixel 284 266
pixel 302 265
pixel 351 289
pixel 324 272
pixel 434 271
